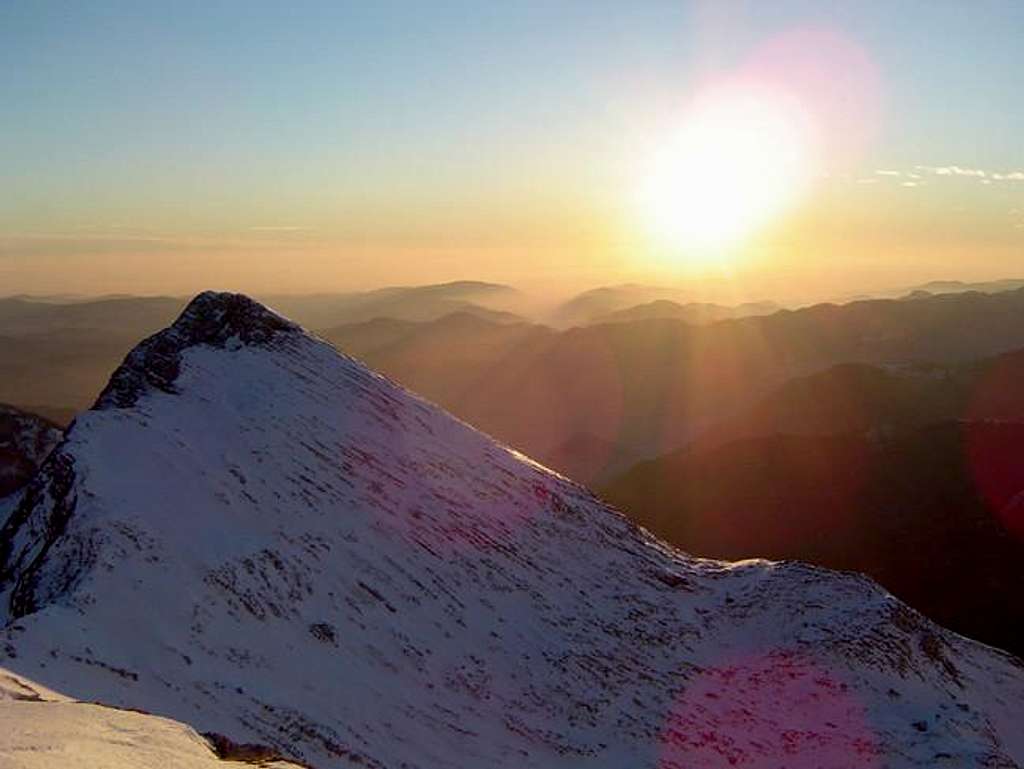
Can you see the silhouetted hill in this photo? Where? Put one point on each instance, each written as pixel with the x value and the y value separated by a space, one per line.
pixel 594 303
pixel 700 313
pixel 642 388
pixel 926 511
pixel 866 399
pixel 654 385
pixel 849 398
pixel 62 369
pixel 413 303
pixel 135 316
pixel 25 440
pixel 449 360
pixel 959 286
pixel 361 338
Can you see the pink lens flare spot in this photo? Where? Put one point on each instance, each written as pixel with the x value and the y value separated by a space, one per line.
pixel 779 709
pixel 993 440
pixel 834 77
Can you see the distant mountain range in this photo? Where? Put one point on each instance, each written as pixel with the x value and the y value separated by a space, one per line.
pixel 692 312
pixel 877 400
pixel 258 536
pixel 133 317
pixel 640 387
pixel 57 353
pixel 643 388
pixel 492 301
pixel 960 286
pixel 141 316
pixel 631 301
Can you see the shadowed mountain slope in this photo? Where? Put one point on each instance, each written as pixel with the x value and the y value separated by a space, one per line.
pixel 25 440
pixel 857 398
pixel 927 511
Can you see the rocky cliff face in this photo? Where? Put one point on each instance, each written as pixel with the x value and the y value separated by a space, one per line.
pixel 25 441
pixel 254 534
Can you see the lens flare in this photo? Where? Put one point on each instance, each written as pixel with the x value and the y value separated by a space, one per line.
pixel 993 437
pixel 780 709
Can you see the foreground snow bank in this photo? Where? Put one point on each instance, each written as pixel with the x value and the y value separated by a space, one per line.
pixel 41 729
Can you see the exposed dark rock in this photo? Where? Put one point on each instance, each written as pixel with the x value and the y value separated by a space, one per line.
pixel 25 441
pixel 246 752
pixel 212 318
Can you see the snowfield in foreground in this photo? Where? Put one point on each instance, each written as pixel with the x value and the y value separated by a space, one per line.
pixel 253 534
pixel 40 729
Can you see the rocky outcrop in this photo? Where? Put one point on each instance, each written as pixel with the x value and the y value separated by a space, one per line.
pixel 25 441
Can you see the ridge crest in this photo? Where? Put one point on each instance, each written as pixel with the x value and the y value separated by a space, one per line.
pixel 212 318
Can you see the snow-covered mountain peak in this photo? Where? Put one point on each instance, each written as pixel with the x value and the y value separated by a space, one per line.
pixel 256 535
pixel 214 319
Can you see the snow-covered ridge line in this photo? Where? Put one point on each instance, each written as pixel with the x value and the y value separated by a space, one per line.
pixel 258 536
pixel 212 318
pixel 215 319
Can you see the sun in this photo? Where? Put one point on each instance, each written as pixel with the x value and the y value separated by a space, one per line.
pixel 739 159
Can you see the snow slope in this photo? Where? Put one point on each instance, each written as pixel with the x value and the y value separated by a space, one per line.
pixel 255 535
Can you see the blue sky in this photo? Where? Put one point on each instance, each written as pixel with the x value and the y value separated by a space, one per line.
pixel 216 117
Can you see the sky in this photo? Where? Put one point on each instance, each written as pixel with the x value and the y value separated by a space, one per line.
pixel 331 145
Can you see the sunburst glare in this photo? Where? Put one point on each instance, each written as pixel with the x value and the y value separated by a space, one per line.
pixel 739 158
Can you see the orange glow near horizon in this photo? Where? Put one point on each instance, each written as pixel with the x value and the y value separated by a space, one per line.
pixel 745 165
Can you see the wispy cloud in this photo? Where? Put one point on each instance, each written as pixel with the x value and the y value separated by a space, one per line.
pixel 973 173
pixel 919 174
pixel 976 173
pixel 278 228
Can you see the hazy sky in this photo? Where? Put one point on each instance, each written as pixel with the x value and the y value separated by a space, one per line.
pixel 320 145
